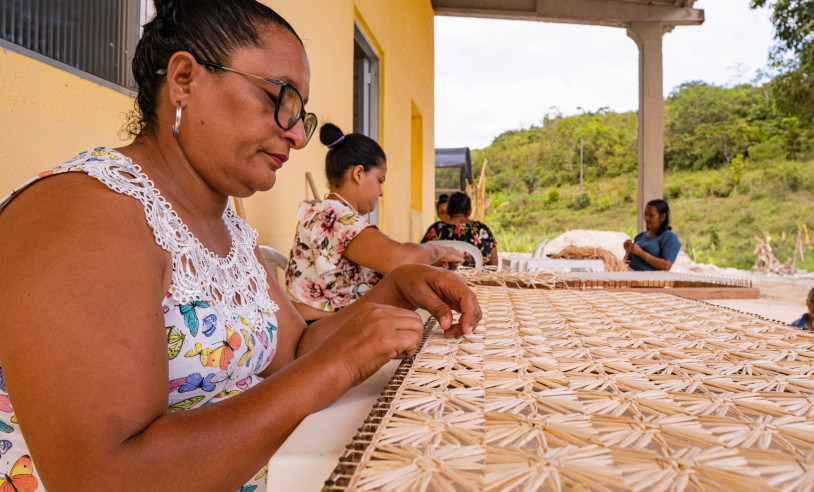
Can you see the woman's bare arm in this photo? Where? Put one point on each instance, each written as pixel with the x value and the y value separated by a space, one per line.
pixel 373 249
pixel 84 354
pixel 654 261
pixel 493 259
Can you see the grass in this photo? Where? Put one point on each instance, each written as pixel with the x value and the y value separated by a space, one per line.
pixel 715 219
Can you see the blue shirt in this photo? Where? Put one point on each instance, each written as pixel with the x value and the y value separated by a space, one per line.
pixel 801 323
pixel 665 246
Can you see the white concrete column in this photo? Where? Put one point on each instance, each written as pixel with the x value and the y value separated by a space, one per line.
pixel 647 36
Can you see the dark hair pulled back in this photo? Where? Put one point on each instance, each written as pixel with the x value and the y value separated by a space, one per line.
pixel 459 204
pixel 662 208
pixel 211 30
pixel 442 199
pixel 347 151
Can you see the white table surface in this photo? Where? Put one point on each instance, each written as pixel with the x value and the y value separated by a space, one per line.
pixel 309 455
pixel 525 264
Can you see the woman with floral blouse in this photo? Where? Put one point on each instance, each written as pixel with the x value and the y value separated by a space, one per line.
pixel 338 255
pixel 457 226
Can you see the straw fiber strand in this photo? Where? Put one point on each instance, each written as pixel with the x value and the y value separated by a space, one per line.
pixel 577 390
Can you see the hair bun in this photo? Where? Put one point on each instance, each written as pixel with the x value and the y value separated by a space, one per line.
pixel 330 135
pixel 167 9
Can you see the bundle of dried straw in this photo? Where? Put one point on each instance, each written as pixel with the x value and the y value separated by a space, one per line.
pixel 612 262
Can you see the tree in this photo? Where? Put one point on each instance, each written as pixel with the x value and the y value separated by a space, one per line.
pixel 793 84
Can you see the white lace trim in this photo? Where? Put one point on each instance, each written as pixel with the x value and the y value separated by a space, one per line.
pixel 236 284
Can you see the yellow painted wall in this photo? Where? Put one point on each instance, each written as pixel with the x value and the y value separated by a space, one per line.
pixel 402 32
pixel 48 115
pixel 57 114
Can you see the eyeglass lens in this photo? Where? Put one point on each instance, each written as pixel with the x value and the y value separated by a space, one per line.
pixel 290 110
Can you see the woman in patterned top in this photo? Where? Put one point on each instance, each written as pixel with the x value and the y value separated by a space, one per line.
pixel 338 255
pixel 143 345
pixel 457 226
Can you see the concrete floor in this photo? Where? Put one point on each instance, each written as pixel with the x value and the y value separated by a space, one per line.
pixel 781 298
pixel 783 311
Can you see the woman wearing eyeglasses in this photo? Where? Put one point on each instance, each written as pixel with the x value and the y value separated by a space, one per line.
pixel 338 255
pixel 142 344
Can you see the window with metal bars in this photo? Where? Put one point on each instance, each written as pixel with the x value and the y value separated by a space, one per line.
pixel 93 36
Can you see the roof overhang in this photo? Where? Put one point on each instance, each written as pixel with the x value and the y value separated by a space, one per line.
pixel 613 13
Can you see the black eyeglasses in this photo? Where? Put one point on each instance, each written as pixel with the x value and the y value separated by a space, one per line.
pixel 289 106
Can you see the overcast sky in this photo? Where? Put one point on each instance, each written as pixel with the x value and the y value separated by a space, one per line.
pixel 496 75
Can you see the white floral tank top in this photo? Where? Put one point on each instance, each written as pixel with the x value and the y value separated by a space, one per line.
pixel 220 322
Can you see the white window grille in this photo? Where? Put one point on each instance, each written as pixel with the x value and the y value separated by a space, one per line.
pixel 97 37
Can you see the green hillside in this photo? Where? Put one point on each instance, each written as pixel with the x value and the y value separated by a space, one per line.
pixel 735 167
pixel 712 228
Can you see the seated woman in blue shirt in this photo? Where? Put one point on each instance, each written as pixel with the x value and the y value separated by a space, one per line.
pixel 806 321
pixel 658 246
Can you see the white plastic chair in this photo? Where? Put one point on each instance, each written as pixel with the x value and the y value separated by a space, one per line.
pixel 275 261
pixel 464 247
pixel 538 251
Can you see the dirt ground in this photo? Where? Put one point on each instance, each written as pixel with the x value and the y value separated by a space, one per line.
pixel 781 298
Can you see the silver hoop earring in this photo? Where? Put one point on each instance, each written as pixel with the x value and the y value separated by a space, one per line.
pixel 176 128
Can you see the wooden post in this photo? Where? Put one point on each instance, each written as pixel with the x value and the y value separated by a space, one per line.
pixel 238 206
pixel 310 179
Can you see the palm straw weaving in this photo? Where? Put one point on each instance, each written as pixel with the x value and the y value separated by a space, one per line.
pixel 652 279
pixel 693 286
pixel 576 390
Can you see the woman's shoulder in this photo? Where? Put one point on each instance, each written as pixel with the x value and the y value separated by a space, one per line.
pixel 309 208
pixel 800 323
pixel 668 235
pixel 71 213
pixel 66 190
pixel 335 206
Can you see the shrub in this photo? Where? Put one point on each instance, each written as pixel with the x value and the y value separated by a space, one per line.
pixel 624 194
pixel 736 166
pixel 793 179
pixel 582 201
pixel 673 191
pixel 553 195
pixel 768 150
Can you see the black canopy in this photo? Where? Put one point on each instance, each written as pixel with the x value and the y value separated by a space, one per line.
pixel 455 157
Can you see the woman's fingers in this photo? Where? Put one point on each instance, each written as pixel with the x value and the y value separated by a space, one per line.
pixel 375 334
pixel 454 256
pixel 439 292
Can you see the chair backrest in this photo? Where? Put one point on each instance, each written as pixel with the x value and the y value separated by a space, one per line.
pixel 275 261
pixel 465 247
pixel 538 251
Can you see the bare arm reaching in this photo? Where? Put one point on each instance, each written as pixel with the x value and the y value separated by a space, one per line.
pixel 373 249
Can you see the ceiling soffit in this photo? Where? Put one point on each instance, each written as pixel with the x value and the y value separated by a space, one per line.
pixel 613 13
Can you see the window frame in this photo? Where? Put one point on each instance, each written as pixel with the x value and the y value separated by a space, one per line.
pixel 146 11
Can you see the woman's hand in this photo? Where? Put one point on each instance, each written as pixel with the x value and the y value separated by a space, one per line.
pixel 383 325
pixel 439 292
pixel 373 335
pixel 633 248
pixel 638 251
pixel 449 257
